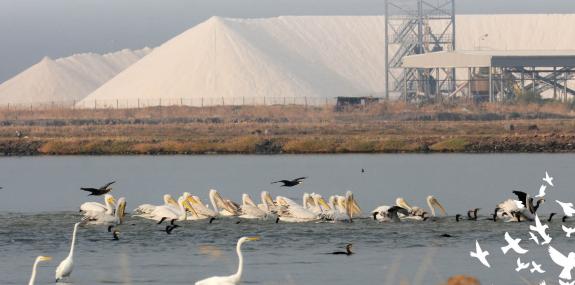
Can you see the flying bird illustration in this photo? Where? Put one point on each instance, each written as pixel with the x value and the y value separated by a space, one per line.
pixel 561 282
pixel 540 229
pixel 99 191
pixel 541 191
pixel 520 265
pixel 534 238
pixel 567 208
pixel 291 183
pixel 536 268
pixel 568 230
pixel 567 262
pixel 480 254
pixel 513 244
pixel 548 179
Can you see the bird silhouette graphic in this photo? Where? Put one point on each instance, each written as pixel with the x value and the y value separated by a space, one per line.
pixel 513 244
pixel 540 229
pixel 480 254
pixel 567 262
pixel 548 179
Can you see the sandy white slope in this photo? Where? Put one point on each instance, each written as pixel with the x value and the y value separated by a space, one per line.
pixel 66 80
pixel 302 56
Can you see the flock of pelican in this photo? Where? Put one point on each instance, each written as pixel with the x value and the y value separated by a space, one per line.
pixel 313 208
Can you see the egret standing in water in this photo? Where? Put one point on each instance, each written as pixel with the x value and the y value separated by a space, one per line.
pixel 67 265
pixel 232 279
pixel 38 260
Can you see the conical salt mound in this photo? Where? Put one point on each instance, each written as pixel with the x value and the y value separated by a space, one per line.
pixel 236 60
pixel 66 80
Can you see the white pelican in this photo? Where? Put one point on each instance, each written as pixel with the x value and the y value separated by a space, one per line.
pixel 416 213
pixel 38 260
pixel 221 206
pixel 308 203
pixel 249 209
pixel 167 212
pixel 202 211
pixel 290 211
pixel 268 205
pixel 147 208
pixel 67 265
pixel 432 203
pixel 90 208
pixel 518 210
pixel 338 208
pixel 110 220
pixel 235 278
pixel 354 209
pixel 388 214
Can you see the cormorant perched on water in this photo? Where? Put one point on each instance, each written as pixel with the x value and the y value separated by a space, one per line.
pixel 116 235
pixel 291 183
pixel 99 191
pixel 347 250
pixel 473 216
pixel 458 218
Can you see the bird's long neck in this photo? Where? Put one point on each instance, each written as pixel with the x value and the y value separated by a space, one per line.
pixel 537 206
pixel 238 274
pixel 431 208
pixel 33 276
pixel 214 204
pixel 71 254
pixel 184 214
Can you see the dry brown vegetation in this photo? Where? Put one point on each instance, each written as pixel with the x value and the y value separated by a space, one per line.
pixel 385 127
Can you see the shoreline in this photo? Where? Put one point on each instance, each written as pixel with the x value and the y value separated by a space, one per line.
pixel 550 143
pixel 272 130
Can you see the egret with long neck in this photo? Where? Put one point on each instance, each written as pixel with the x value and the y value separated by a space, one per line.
pixel 67 265
pixel 38 260
pixel 235 278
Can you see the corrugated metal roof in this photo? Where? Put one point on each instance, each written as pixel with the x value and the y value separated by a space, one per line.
pixel 486 58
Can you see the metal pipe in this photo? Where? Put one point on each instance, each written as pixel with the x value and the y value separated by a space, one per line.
pixel 490 84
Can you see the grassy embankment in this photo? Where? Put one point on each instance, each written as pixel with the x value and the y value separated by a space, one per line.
pixel 382 128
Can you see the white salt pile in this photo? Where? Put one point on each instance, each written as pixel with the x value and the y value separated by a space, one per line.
pixel 66 80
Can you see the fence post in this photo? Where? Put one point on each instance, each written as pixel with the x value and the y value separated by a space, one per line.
pixel 202 102
pixel 223 103
pixel 117 104
pixel 95 104
pixel 181 102
pixel 160 102
pixel 243 100
pixel 305 100
pixel 264 100
pixel 30 107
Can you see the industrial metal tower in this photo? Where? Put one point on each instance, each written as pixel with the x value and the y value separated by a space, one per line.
pixel 417 27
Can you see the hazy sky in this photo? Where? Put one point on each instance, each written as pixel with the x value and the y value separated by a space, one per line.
pixel 32 29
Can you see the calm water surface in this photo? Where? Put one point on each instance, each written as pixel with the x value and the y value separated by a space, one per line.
pixel 41 195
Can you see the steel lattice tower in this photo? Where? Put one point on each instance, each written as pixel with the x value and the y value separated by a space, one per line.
pixel 417 27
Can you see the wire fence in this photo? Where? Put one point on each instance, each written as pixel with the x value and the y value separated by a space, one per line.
pixel 168 102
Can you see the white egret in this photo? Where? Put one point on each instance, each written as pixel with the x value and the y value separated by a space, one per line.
pixel 67 265
pixel 235 278
pixel 38 260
